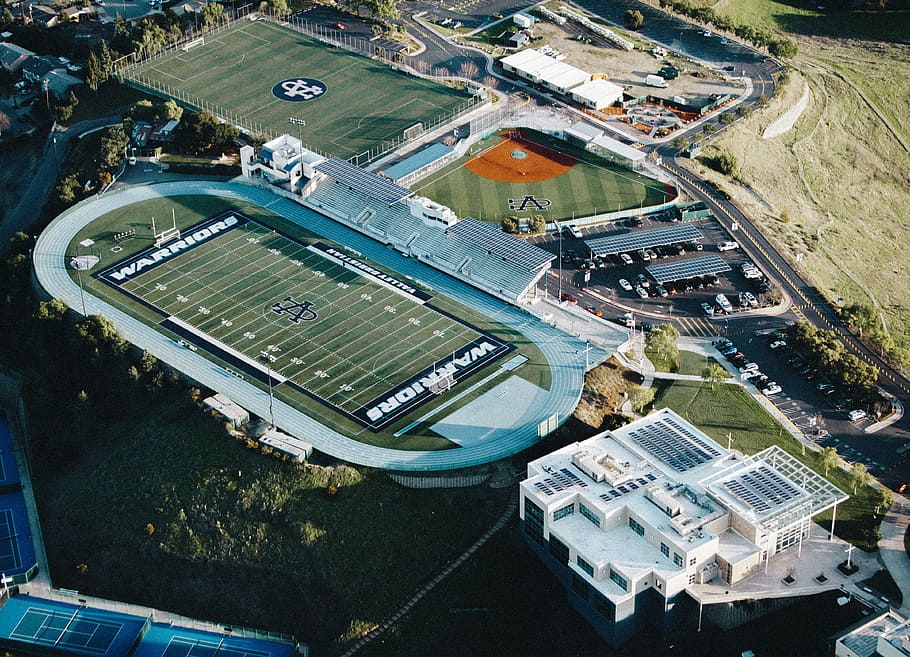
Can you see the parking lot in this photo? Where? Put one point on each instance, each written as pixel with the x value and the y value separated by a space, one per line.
pixel 620 282
pixel 810 402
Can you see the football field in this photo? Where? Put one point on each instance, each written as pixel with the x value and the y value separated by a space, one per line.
pixel 364 103
pixel 306 315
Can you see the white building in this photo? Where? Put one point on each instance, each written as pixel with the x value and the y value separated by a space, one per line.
pixel 597 94
pixel 630 519
pixel 281 160
pixel 885 635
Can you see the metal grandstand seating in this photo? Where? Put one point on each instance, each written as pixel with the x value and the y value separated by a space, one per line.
pixel 477 252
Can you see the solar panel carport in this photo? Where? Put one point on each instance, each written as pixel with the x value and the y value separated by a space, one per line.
pixel 675 271
pixel 642 239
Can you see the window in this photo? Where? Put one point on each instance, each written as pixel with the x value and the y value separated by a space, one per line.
pixel 559 550
pixel 619 579
pixel 587 513
pixel 636 526
pixel 585 566
pixel 567 510
pixel 665 550
pixel 692 561
pixel 603 607
pixel 678 560
pixel 533 521
pixel 579 586
pixel 692 578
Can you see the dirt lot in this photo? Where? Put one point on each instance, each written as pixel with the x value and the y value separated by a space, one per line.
pixel 629 69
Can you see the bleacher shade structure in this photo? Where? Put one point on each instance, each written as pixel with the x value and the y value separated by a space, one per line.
pixel 479 254
pixel 642 239
pixel 362 181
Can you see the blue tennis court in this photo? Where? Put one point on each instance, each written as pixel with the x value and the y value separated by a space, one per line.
pixel 165 641
pixel 17 552
pixel 9 471
pixel 38 625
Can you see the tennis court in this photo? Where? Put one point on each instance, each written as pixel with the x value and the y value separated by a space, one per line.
pixel 9 471
pixel 10 559
pixel 17 553
pixel 50 626
pixel 309 316
pixel 165 641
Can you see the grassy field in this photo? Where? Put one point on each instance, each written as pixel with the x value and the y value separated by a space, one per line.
pixel 729 409
pixel 366 102
pixel 690 362
pixel 590 186
pixel 841 173
pixel 365 340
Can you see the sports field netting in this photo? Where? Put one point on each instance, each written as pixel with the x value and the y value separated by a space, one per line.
pixel 365 104
pixel 10 559
pixel 306 315
pixel 585 187
pixel 51 627
pixel 163 640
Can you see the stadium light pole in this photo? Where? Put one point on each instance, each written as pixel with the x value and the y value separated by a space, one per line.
pixel 268 364
pixel 300 123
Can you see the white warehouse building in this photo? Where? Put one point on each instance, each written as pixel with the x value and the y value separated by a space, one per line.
pixel 631 518
pixel 597 94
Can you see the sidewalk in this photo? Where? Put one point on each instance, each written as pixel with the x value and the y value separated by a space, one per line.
pixel 891 548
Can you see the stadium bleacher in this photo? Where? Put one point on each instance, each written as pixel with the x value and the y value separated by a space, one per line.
pixel 472 250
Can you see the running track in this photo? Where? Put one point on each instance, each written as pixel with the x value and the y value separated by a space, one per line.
pixel 565 354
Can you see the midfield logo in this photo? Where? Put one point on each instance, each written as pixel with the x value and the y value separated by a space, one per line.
pixel 296 90
pixel 296 310
pixel 528 201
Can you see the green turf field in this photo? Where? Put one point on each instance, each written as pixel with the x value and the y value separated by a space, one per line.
pixel 591 186
pixel 312 317
pixel 366 102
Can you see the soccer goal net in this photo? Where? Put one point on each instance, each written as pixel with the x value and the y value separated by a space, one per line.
pixel 192 44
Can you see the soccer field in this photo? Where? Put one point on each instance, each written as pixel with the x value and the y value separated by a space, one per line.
pixel 365 102
pixel 587 187
pixel 305 315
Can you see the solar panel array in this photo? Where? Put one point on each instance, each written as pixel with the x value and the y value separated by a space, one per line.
pixel 558 481
pixel 362 181
pixel 643 239
pixel 762 489
pixel 628 487
pixel 701 266
pixel 491 238
pixel 674 444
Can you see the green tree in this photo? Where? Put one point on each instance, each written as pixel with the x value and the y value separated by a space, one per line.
pixel 726 118
pixel 713 374
pixel 212 14
pixel 66 190
pixel 640 397
pixel 830 459
pixel 859 475
pixel 537 223
pixel 4 122
pixel 882 341
pixel 113 147
pixel 633 19
pixel 783 48
pixel 664 341
pixel 860 317
pixel 885 498
pixel 143 110
pixel 171 111
pixel 93 74
pixel 680 143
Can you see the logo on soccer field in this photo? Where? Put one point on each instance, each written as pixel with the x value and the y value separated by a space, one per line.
pixel 296 311
pixel 528 202
pixel 297 90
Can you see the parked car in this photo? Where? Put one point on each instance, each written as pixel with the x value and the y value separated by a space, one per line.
pixel 568 297
pixel 594 310
pixel 624 284
pixel 643 281
pixel 748 367
pixel 626 258
pixel 771 389
pixel 856 415
pixel 777 344
pixel 708 308
pixel 662 291
pixel 641 292
pixel 727 246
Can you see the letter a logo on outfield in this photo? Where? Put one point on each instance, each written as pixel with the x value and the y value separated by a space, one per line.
pixel 528 202
pixel 296 311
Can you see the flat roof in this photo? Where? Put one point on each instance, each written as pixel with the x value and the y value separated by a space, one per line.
pixel 584 131
pixel 615 146
pixel 597 89
pixel 417 161
pixel 672 441
pixel 495 241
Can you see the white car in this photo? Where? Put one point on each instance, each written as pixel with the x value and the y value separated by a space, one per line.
pixel 856 415
pixel 626 258
pixel 777 344
pixel 750 299
pixel 641 292
pixel 771 389
pixel 748 367
pixel 624 284
pixel 727 246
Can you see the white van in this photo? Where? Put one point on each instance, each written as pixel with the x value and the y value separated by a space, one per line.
pixel 856 415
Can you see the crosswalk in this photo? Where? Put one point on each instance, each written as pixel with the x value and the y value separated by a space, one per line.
pixel 702 327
